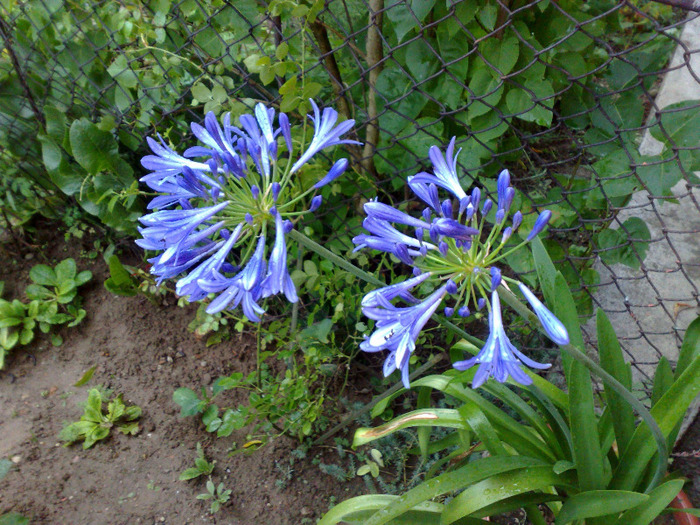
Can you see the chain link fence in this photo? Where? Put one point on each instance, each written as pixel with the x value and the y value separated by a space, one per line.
pixel 594 107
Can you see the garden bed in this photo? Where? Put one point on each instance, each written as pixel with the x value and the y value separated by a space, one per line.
pixel 145 352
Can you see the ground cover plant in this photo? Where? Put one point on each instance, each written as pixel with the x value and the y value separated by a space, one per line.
pixel 53 300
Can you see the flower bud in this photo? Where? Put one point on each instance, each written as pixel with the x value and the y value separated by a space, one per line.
pixel 315 203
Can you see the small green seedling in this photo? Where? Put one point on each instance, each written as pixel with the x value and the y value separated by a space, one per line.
pixel 202 467
pixel 53 300
pixel 217 495
pixel 95 424
pixel 372 466
pixel 58 284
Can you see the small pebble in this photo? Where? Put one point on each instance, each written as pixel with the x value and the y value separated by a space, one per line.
pixel 16 459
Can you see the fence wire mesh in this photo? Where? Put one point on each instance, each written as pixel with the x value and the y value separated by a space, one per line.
pixel 594 107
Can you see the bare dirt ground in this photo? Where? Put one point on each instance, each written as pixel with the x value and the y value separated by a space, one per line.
pixel 144 352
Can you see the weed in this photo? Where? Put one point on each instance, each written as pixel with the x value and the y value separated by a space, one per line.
pixel 202 467
pixel 217 494
pixel 53 300
pixel 95 424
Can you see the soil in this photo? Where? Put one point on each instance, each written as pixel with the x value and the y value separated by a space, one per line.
pixel 145 352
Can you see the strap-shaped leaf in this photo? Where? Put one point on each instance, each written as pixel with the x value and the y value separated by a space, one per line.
pixel 498 488
pixel 663 379
pixel 520 437
pixel 597 503
pixel 438 417
pixel 667 412
pixel 516 502
pixel 423 432
pixel 648 510
pixel 582 418
pixel 527 413
pixel 478 422
pixel 461 478
pixel 555 420
pixel 690 349
pixel 358 509
pixel 613 362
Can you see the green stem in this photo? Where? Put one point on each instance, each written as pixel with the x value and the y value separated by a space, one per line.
pixel 258 337
pixel 335 259
pixel 368 277
pixel 611 382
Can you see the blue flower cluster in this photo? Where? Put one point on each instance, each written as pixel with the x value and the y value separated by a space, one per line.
pixel 445 246
pixel 217 201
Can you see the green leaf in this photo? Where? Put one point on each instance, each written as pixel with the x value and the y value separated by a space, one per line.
pixel 648 510
pixel 363 470
pixel 486 92
pixel 93 407
pixel 13 518
pixel 120 70
pixel 482 427
pixel 488 15
pixel 626 247
pixel 83 277
pixel 44 275
pixel 189 402
pixel 65 271
pixel 92 148
pixel 681 124
pixel 51 154
pixel 86 376
pixel 55 124
pixel 613 362
pixel 668 412
pixel 484 468
pixel 502 54
pixel 230 421
pixel 190 473
pixel 26 336
pixel 584 428
pixel 405 17
pixel 443 417
pixel 594 503
pixel 582 418
pixel 423 432
pixel 690 349
pixel 663 379
pixel 421 60
pixel 497 488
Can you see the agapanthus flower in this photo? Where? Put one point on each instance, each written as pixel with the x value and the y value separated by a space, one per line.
pixel 453 249
pixel 219 204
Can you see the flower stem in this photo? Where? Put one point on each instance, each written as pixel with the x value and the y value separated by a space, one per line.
pixel 335 259
pixel 609 381
pixel 368 277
